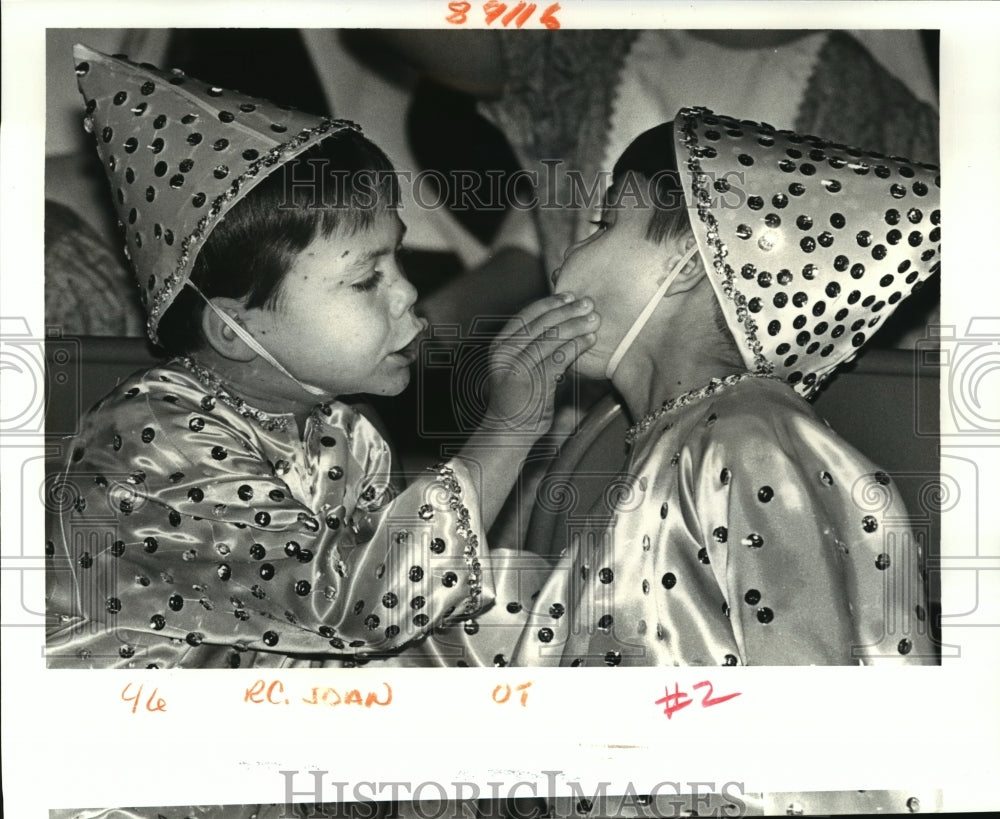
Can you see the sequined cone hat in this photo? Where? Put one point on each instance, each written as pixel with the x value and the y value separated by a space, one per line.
pixel 809 245
pixel 179 153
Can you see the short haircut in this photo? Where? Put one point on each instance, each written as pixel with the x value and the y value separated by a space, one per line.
pixel 344 182
pixel 651 156
pixel 650 161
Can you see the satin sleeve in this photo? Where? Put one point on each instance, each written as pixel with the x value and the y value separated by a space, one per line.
pixel 188 540
pixel 809 542
pixel 410 560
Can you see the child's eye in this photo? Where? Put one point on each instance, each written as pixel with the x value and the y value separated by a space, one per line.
pixel 368 284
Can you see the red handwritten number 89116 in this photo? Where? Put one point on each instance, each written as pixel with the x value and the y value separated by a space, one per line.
pixel 519 14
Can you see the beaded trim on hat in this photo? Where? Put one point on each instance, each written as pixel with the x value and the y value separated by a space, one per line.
pixel 726 274
pixel 851 213
pixel 275 156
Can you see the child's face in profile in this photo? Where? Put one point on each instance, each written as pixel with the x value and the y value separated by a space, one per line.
pixel 344 316
pixel 616 266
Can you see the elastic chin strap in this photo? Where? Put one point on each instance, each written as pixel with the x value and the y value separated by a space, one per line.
pixel 254 345
pixel 647 312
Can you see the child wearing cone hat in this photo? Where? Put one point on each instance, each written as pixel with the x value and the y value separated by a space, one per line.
pixel 228 509
pixel 735 268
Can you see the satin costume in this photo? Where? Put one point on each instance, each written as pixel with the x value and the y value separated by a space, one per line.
pixel 192 535
pixel 745 533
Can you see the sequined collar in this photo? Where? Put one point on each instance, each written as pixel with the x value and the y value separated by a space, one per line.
pixel 267 421
pixel 687 398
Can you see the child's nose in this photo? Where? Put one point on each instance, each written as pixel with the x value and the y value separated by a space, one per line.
pixel 406 295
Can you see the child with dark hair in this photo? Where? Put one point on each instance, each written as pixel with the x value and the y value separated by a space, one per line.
pixel 227 509
pixel 735 268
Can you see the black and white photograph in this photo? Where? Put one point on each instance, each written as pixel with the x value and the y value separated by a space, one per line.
pixel 363 344
pixel 234 504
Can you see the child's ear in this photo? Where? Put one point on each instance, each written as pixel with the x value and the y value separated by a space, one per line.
pixel 220 335
pixel 692 272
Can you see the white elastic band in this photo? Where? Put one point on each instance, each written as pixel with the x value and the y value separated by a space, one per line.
pixel 647 312
pixel 255 345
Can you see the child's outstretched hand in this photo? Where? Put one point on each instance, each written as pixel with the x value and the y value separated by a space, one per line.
pixel 528 358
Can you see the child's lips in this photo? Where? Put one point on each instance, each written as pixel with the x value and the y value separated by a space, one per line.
pixel 409 350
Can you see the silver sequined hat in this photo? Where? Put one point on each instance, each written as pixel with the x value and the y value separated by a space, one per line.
pixel 179 153
pixel 810 245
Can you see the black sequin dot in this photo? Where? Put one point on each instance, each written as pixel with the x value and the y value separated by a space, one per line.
pixel 449 579
pixel 703 556
pixel 904 646
pixel 219 453
pixel 605 622
pixel 157 622
pixel 725 475
pixel 837 220
pixel 796 189
pixel 514 607
pixel 245 492
pixel 174 518
pixel 266 571
pixel 804 222
pixel 250 154
pixel 421 620
pixel 869 524
pixel 262 518
pixel 150 544
pixel 808 244
pixel 270 638
pixel 753 541
pixel 752 597
pixel 416 574
pixel 882 562
pixel 278 128
pixel 669 580
pixel 606 575
pixel 220 172
pixel 921 614
pixel 147 435
pixel 372 621
pixel 764 494
pixel 730 659
pixel 613 658
pixel 780 300
pixel 755 203
pixel 335 473
pixel 175 602
pixel 303 587
pixel 556 610
pixel 765 615
pixel 779 200
pixel 720 533
pixel 545 635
